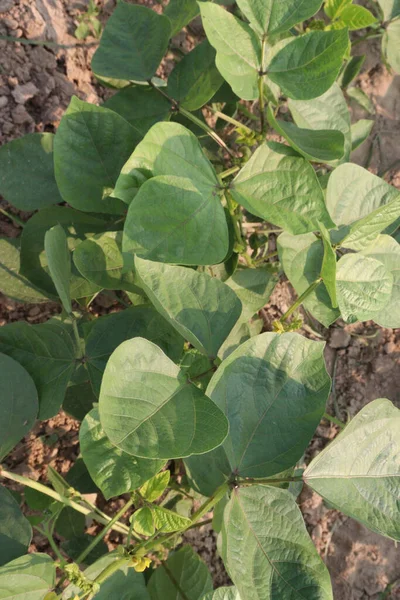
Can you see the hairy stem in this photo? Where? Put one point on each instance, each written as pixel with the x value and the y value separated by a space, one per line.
pixel 300 300
pixel 230 120
pixel 334 420
pixel 77 337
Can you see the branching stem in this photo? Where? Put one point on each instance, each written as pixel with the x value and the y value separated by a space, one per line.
pixel 300 300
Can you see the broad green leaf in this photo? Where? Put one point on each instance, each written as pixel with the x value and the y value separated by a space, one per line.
pixel 133 43
pixel 29 577
pixel 352 69
pixel 223 593
pixel 391 45
pixel 183 571
pixel 79 478
pixel 155 487
pixel 358 473
pixel 79 399
pixel 328 267
pixel 195 79
pixel 390 8
pixel 333 8
pixel 99 259
pixel 143 522
pixel 70 523
pixel 27 172
pixel 301 257
pixel 12 284
pixel 267 550
pixel 357 94
pixel 36 500
pixel 168 521
pixel 361 204
pixel 172 221
pixel 329 112
pixel 168 149
pixel 75 546
pixel 363 287
pixel 124 584
pixel 360 132
pixel 149 409
pixel 307 66
pixel 283 190
pixel 238 49
pixel 91 146
pixel 198 368
pixel 112 470
pixel 273 390
pixel 48 353
pixel 110 331
pixel 355 17
pixel 386 250
pixel 201 308
pixel 34 262
pixel 274 16
pixel 180 13
pixel 319 145
pixel 18 404
pixel 59 263
pixel 141 106
pixel 15 530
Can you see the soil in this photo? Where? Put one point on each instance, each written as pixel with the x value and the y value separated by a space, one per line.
pixel 36 84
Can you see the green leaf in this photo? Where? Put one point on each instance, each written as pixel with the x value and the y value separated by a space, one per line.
pixel 91 146
pixel 18 404
pixel 321 145
pixel 360 132
pixel 34 262
pixel 267 550
pixel 59 263
pixel 70 523
pixel 12 284
pixel 143 522
pixel 223 593
pixel 198 368
pixel 391 45
pixel 78 400
pixel 301 257
pixel 333 8
pixel 361 204
pixel 149 409
pixel 328 267
pixel 29 577
pixel 155 487
pixel 184 571
pixel 141 106
pixel 27 173
pixel 390 8
pixel 48 353
pixel 363 286
pixel 283 190
pixel 123 584
pixel 169 149
pixel 195 79
pixel 133 43
pixel 112 470
pixel 75 546
pixel 201 308
pixel 386 250
pixel 99 259
pixel 180 13
pixel 329 112
pixel 352 69
pixel 110 331
pixel 273 407
pixel 351 474
pixel 168 521
pixel 355 17
pixel 79 478
pixel 238 49
pixel 274 16
pixel 307 66
pixel 15 530
pixel 357 94
pixel 36 500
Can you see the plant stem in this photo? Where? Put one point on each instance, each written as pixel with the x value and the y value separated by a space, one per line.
pixel 229 172
pixel 76 335
pixel 261 100
pixel 102 533
pixel 334 420
pixel 367 36
pixel 12 217
pixel 300 299
pixel 52 543
pixel 110 569
pixel 230 120
pixel 235 222
pixel 120 527
pixel 260 261
pixel 253 481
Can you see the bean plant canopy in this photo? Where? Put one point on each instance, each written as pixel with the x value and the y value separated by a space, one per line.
pixel 188 402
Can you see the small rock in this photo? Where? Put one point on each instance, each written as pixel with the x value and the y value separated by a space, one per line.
pixel 3 101
pixel 10 23
pixel 6 5
pixel 339 338
pixel 383 364
pixel 20 115
pixel 389 348
pixel 23 93
pixel 34 311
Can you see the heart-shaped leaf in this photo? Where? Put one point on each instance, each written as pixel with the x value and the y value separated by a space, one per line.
pixel 273 16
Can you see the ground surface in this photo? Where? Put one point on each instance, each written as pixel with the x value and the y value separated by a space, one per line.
pixel 36 84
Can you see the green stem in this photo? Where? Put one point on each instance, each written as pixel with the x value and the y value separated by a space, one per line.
pixel 12 217
pixel 49 535
pixel 35 485
pixel 261 99
pixel 230 120
pixel 235 222
pixel 260 261
pixel 110 569
pixel 367 36
pixel 77 337
pixel 229 172
pixel 300 300
pixel 334 420
pixel 102 533
pixel 253 481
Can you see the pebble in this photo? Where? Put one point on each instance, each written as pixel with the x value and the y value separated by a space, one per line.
pixel 3 101
pixel 339 338
pixel 23 93
pixel 34 311
pixel 20 115
pixel 6 5
pixel 390 348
